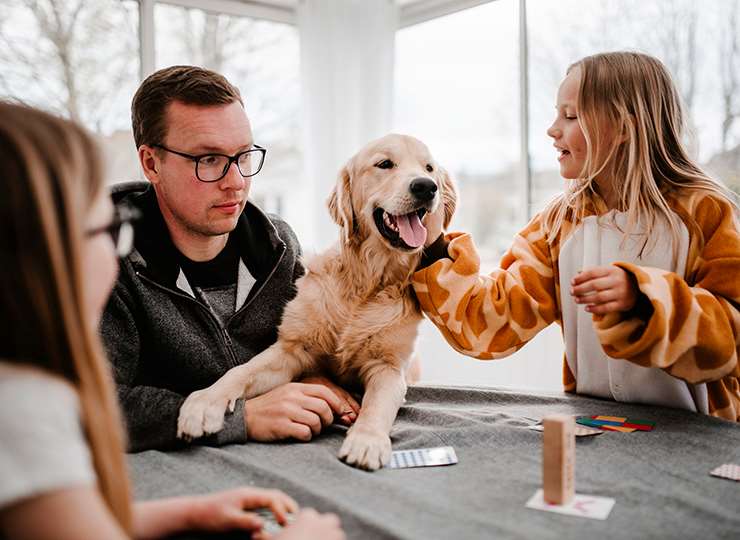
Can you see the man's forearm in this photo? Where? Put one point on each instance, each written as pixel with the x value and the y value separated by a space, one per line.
pixel 151 419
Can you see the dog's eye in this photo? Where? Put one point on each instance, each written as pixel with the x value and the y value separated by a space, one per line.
pixel 385 164
pixel 430 168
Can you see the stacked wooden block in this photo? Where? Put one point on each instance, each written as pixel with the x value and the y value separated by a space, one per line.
pixel 559 457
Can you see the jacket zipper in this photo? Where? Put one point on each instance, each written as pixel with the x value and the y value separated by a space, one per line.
pixel 221 330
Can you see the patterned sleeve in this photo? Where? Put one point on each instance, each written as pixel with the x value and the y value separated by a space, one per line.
pixel 693 328
pixel 491 316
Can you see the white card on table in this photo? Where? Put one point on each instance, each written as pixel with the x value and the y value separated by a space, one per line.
pixel 588 506
pixel 728 470
pixel 422 457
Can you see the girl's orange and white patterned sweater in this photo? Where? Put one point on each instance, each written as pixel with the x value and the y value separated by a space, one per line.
pixel 678 347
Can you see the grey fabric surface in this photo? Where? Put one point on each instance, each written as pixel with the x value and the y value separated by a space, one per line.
pixel 660 479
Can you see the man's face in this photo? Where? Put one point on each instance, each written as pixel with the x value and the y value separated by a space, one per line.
pixel 192 207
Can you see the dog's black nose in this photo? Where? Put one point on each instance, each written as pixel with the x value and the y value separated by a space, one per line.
pixel 423 188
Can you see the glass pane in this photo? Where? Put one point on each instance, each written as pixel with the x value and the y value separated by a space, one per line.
pixel 457 89
pixel 79 59
pixel 262 59
pixel 693 39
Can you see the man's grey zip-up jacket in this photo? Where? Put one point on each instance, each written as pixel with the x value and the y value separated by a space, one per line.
pixel 163 343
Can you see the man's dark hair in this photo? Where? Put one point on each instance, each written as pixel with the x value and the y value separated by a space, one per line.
pixel 188 84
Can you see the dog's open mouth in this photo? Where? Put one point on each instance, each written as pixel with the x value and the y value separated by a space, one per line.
pixel 404 231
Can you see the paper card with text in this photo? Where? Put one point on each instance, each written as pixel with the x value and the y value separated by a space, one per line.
pixel 422 457
pixel 588 506
pixel 728 470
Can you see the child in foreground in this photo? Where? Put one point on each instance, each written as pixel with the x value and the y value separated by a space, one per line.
pixel 61 456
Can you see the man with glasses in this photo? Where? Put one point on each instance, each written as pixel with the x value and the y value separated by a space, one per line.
pixel 205 286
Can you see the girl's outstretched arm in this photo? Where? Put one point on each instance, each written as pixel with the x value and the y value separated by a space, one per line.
pixel 491 316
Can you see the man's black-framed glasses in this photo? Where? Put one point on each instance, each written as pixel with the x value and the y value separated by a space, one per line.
pixel 213 167
pixel 120 229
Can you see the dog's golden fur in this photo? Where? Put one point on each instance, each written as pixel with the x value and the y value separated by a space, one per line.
pixel 354 316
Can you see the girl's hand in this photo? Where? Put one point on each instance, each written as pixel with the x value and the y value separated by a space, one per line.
pixel 225 510
pixel 434 223
pixel 604 289
pixel 309 525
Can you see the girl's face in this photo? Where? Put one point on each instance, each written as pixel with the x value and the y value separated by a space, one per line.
pixel 565 130
pixel 99 261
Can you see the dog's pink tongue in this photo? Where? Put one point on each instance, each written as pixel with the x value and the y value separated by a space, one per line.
pixel 411 229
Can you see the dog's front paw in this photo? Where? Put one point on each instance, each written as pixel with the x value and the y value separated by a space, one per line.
pixel 366 448
pixel 203 413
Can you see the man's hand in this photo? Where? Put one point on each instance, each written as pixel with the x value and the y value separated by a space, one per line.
pixel 604 289
pixel 293 410
pixel 352 408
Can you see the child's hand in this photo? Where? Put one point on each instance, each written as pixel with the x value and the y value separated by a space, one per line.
pixel 310 524
pixel 604 289
pixel 225 510
pixel 434 222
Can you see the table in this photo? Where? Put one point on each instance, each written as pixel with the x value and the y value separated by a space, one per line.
pixel 660 479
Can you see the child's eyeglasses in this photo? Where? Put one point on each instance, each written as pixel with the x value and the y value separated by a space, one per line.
pixel 120 229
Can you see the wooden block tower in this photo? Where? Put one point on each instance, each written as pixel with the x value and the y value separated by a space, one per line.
pixel 559 456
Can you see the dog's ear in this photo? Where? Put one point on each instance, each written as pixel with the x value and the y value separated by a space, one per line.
pixel 340 204
pixel 449 196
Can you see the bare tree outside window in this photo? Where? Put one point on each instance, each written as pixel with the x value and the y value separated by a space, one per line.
pixel 262 59
pixel 78 59
pixel 73 57
pixel 698 44
pixel 729 69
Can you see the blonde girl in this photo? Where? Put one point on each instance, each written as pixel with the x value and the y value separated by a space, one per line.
pixel 61 453
pixel 638 260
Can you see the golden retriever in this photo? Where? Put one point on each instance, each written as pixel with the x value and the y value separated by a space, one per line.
pixel 354 317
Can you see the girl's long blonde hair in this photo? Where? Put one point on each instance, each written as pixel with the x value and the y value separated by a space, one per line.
pixel 633 121
pixel 50 175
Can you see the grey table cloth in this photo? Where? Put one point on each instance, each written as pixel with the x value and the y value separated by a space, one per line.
pixel 660 479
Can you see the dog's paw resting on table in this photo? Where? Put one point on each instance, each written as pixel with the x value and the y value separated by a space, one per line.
pixel 366 448
pixel 203 411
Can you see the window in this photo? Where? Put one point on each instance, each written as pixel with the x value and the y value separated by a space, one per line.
pixel 457 89
pixel 262 59
pixel 694 41
pixel 78 59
